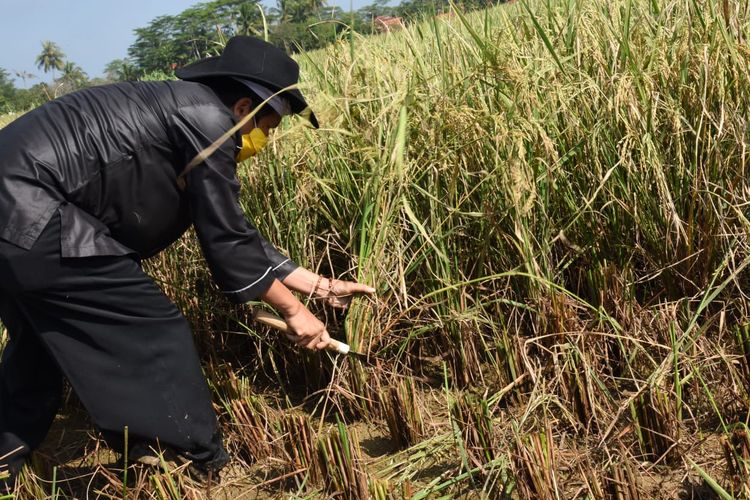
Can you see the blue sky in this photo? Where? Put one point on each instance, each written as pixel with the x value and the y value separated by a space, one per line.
pixel 90 32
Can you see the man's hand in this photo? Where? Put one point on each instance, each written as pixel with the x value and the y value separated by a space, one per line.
pixel 339 294
pixel 306 330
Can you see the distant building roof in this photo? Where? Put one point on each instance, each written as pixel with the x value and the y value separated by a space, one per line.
pixel 388 23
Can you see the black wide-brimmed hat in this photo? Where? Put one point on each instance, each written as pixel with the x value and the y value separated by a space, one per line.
pixel 253 59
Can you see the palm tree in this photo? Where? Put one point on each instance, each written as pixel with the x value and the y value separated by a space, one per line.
pixel 248 16
pixel 51 58
pixel 73 75
pixel 293 11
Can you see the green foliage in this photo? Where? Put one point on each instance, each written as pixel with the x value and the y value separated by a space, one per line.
pixel 7 91
pixel 155 76
pixel 295 11
pixel 73 77
pixel 13 99
pixel 26 99
pixel 418 9
pixel 375 9
pixel 415 9
pixel 121 70
pixel 169 42
pixel 50 59
pixel 294 37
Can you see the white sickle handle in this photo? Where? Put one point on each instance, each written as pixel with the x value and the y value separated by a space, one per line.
pixel 278 323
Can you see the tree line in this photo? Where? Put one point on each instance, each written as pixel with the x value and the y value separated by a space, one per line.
pixel 50 59
pixel 171 41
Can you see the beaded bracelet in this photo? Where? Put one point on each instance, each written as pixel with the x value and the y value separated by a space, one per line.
pixel 317 285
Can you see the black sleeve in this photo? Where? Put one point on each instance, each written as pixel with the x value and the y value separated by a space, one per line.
pixel 282 265
pixel 233 248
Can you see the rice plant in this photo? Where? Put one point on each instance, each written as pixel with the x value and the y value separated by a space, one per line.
pixel 472 425
pixel 402 413
pixel 737 452
pixel 622 480
pixel 341 464
pixel 656 426
pixel 300 449
pixel 536 465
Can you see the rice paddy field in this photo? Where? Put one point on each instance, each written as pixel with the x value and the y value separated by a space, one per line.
pixel 551 200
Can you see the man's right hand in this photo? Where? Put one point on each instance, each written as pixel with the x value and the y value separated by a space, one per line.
pixel 306 330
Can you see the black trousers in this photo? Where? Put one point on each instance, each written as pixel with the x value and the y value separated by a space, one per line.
pixel 126 350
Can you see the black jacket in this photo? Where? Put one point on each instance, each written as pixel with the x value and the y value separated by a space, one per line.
pixel 108 158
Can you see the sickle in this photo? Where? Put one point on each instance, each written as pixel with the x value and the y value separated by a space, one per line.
pixel 278 323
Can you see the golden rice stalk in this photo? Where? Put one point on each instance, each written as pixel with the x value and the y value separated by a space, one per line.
pixel 361 382
pixel 379 489
pixel 594 481
pixel 622 481
pixel 471 419
pixel 535 464
pixel 576 387
pixel 402 414
pixel 742 333
pixel 656 425
pixel 736 448
pixel 252 429
pixel 463 358
pixel 341 464
pixel 299 445
pixel 382 489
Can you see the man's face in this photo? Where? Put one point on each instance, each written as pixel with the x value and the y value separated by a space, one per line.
pixel 266 123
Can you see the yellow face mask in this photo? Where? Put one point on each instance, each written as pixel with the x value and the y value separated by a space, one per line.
pixel 251 144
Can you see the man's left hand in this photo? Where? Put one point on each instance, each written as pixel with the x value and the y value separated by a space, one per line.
pixel 339 293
